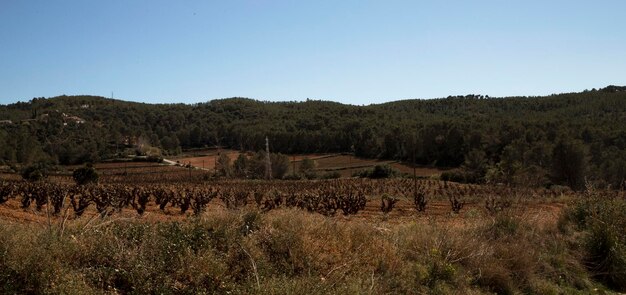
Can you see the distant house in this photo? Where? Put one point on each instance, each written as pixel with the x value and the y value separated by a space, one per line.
pixel 130 141
pixel 72 119
pixel 67 119
pixel 75 119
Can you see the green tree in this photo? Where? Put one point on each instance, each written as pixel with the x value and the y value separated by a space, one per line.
pixel 476 162
pixel 307 168
pixel 382 171
pixel 569 163
pixel 256 165
pixel 241 166
pixel 171 144
pixel 37 171
pixel 223 167
pixel 614 168
pixel 85 175
pixel 280 165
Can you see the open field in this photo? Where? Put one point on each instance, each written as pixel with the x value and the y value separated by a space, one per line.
pixel 346 165
pixel 544 203
pixel 222 244
pixel 207 160
pixel 194 233
pixel 166 235
pixel 203 163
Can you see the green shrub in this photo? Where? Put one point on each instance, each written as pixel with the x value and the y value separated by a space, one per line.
pixel 361 173
pixel 379 171
pixel 37 171
pixel 605 243
pixel 307 168
pixel 85 175
pixel 504 225
pixel 293 177
pixel 331 175
pixel 310 174
pixel 460 175
pixel 154 158
pixel 383 171
pixel 251 222
pixel 606 254
pixel 602 221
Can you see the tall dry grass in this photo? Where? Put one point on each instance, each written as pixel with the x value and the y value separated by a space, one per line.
pixel 294 252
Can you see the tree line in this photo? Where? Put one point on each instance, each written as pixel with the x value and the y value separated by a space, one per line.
pixel 568 139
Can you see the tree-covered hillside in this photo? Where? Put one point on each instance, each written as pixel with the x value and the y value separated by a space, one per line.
pixel 512 140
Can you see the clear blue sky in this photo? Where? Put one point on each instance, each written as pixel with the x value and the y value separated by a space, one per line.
pixel 357 52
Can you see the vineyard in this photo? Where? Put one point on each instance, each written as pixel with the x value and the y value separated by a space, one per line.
pixel 184 188
pixel 371 232
pixel 144 231
pixel 364 198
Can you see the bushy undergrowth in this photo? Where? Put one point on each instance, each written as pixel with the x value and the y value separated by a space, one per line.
pixel 461 175
pixel 378 172
pixel 599 225
pixel 289 252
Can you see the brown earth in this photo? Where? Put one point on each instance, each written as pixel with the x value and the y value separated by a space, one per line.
pixel 345 165
pixel 436 210
pixel 207 161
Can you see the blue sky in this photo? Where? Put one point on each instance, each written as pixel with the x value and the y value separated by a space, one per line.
pixel 356 52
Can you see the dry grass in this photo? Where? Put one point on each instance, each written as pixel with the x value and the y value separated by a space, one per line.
pixel 291 252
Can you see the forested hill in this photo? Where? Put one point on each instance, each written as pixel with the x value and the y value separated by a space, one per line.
pixel 515 131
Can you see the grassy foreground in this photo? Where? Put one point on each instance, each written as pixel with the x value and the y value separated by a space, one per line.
pixel 293 252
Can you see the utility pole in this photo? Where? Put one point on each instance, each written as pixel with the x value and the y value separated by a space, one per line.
pixel 414 168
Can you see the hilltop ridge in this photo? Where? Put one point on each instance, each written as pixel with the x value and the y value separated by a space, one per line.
pixel 447 132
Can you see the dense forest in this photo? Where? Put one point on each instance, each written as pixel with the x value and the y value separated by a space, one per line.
pixel 568 139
